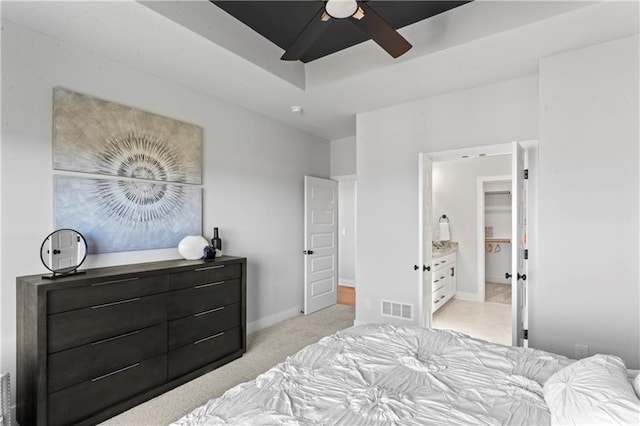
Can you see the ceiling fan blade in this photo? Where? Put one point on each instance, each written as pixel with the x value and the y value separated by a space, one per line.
pixel 381 32
pixel 307 36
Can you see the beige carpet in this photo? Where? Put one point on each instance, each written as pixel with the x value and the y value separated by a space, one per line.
pixel 486 321
pixel 265 349
pixel 497 292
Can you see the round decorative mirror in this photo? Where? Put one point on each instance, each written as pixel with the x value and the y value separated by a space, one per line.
pixel 62 252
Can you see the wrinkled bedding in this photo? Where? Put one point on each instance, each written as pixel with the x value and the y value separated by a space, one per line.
pixel 384 374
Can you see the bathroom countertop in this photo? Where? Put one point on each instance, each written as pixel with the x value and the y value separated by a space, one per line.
pixel 442 248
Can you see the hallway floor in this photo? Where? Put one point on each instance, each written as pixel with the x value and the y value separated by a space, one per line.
pixel 488 321
pixel 347 295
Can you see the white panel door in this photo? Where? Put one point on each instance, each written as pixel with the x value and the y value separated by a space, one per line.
pixel 424 265
pixel 320 243
pixel 518 244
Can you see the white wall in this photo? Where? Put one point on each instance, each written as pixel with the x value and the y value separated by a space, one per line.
pixel 588 218
pixel 343 157
pixel 253 173
pixel 388 143
pixel 347 232
pixel 2 338
pixel 455 187
pixel 588 192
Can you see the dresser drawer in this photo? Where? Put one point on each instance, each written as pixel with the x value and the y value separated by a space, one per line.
pixel 204 275
pixel 203 297
pixel 82 326
pixel 100 292
pixel 73 366
pixel 189 329
pixel 73 404
pixel 203 352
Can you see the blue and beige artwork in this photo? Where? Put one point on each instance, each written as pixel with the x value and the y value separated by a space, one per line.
pixel 122 215
pixel 149 197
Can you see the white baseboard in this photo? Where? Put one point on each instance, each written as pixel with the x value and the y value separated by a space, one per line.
pixel 472 297
pixel 265 322
pixel 346 282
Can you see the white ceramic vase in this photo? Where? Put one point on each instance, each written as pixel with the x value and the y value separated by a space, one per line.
pixel 192 247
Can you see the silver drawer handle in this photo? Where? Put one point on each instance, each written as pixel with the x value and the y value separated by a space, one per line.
pixel 208 338
pixel 441 297
pixel 115 281
pixel 209 268
pixel 115 338
pixel 442 277
pixel 209 285
pixel 129 367
pixel 119 302
pixel 209 311
pixel 435 281
pixel 436 301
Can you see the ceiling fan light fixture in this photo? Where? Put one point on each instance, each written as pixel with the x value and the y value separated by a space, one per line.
pixel 341 9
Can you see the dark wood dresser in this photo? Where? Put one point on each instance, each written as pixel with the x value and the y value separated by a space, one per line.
pixel 93 345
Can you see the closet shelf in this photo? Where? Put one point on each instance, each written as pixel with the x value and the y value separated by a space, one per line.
pixel 497 240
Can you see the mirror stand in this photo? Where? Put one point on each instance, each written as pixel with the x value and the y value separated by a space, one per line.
pixel 62 252
pixel 55 275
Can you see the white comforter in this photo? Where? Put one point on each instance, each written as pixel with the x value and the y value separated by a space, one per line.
pixel 382 374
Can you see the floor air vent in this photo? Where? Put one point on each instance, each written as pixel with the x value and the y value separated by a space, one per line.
pixel 398 310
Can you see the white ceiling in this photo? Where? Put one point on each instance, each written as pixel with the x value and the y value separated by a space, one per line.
pixel 197 45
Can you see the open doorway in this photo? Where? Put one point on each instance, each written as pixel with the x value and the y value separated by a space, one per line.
pixel 449 188
pixel 347 187
pixel 495 216
pixel 465 308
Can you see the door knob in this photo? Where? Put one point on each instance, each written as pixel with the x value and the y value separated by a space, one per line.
pixel 307 252
pixel 416 267
pixel 426 268
pixel 522 277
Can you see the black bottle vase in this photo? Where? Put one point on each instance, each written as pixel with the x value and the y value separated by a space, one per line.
pixel 216 242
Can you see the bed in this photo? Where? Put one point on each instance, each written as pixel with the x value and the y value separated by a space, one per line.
pixel 385 374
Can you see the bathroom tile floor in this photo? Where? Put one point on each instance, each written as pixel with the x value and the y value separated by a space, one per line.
pixel 497 292
pixel 488 321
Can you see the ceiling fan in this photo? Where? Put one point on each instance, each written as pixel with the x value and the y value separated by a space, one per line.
pixel 356 11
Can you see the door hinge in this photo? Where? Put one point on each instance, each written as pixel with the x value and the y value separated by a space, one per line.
pixel 526 334
pixel 526 254
pixel 526 173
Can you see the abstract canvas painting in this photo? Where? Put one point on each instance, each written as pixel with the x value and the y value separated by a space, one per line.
pixel 96 136
pixel 150 200
pixel 121 215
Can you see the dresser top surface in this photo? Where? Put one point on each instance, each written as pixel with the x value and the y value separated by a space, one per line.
pixel 148 268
